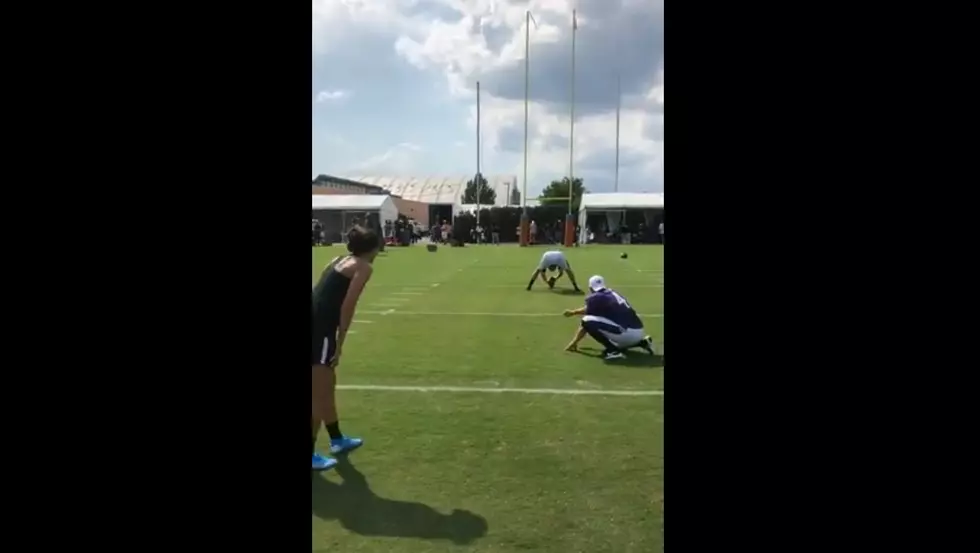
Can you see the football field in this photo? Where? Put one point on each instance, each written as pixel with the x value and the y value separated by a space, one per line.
pixel 481 433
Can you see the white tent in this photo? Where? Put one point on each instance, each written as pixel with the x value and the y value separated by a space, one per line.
pixel 614 205
pixel 384 206
pixel 446 190
pixel 338 212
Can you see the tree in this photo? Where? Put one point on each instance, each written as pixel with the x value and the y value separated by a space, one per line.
pixel 556 193
pixel 515 196
pixel 487 195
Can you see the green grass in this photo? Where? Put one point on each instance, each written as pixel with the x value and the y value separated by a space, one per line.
pixel 464 471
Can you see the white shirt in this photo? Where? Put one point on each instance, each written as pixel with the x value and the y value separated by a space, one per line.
pixel 553 257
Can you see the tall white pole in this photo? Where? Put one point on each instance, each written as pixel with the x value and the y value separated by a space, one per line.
pixel 527 72
pixel 478 180
pixel 522 239
pixel 571 132
pixel 619 100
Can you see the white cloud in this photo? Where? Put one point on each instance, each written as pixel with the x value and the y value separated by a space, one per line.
pixel 331 95
pixel 461 41
pixel 656 93
pixel 398 160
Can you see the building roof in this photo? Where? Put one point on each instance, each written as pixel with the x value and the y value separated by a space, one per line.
pixel 324 180
pixel 622 200
pixel 439 190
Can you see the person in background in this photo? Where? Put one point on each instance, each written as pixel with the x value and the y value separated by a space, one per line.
pixel 533 234
pixel 446 231
pixel 495 234
pixel 660 229
pixel 317 233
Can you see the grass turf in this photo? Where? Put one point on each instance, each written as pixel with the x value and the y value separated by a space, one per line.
pixel 464 471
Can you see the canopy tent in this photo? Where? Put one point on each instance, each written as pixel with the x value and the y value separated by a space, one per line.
pixel 614 205
pixel 446 191
pixel 338 212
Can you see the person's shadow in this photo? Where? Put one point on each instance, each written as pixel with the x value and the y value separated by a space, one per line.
pixel 633 358
pixel 355 506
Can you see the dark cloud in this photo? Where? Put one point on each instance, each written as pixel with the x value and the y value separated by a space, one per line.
pixel 495 37
pixel 631 179
pixel 511 138
pixel 605 159
pixel 555 143
pixel 616 38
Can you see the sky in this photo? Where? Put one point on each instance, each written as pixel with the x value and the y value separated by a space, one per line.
pixel 394 89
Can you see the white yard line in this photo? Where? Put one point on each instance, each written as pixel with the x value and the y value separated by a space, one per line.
pixel 617 285
pixel 480 314
pixel 408 293
pixel 465 389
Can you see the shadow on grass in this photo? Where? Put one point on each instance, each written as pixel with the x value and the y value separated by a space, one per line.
pixel 639 359
pixel 355 506
pixel 567 292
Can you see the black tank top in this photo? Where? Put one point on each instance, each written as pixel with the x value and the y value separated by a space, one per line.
pixel 328 296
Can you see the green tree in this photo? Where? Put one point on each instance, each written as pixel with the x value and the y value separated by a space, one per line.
pixel 487 195
pixel 515 196
pixel 557 193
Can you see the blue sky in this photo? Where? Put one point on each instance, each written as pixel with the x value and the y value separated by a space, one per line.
pixel 394 89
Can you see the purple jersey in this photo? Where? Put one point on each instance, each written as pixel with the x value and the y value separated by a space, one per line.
pixel 610 305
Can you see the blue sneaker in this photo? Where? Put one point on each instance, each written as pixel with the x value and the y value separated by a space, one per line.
pixel 322 462
pixel 344 445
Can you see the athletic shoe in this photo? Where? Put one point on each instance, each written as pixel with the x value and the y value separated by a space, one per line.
pixel 647 345
pixel 322 462
pixel 610 355
pixel 344 445
pixel 551 283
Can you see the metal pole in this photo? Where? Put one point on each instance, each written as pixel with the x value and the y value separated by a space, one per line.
pixel 569 219
pixel 478 181
pixel 527 72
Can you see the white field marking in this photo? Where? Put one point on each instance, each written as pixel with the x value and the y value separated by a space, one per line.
pixel 408 293
pixel 436 285
pixel 617 286
pixel 397 299
pixel 363 322
pixel 464 389
pixel 482 314
pixel 649 270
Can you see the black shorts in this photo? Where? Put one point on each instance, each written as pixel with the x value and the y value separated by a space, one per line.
pixel 323 347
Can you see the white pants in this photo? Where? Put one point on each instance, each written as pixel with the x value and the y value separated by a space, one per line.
pixel 624 338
